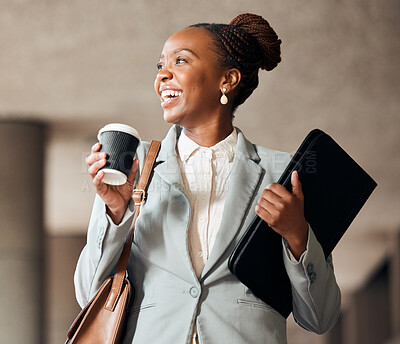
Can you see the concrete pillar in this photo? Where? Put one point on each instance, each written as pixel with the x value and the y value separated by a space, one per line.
pixel 394 287
pixel 61 306
pixel 367 319
pixel 21 232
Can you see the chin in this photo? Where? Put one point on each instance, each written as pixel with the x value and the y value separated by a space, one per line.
pixel 172 118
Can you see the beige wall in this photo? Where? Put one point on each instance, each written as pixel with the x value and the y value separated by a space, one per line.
pixel 76 65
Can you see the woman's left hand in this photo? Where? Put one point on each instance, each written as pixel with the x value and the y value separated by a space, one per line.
pixel 284 213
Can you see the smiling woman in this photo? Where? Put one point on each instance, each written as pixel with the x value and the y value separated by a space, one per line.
pixel 188 70
pixel 208 182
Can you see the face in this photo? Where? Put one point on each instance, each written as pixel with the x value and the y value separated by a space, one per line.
pixel 189 79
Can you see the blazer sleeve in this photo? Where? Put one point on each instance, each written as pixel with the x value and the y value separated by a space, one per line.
pixel 316 295
pixel 104 245
pixel 99 257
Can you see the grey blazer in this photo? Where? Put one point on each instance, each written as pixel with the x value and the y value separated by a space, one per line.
pixel 169 298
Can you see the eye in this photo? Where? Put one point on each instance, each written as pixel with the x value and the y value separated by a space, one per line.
pixel 159 66
pixel 180 60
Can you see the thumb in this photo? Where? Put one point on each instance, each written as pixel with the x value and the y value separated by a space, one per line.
pixel 296 185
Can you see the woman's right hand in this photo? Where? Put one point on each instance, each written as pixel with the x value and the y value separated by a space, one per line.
pixel 115 197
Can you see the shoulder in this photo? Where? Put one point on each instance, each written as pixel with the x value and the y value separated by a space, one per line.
pixel 271 160
pixel 141 152
pixel 142 148
pixel 263 153
pixel 267 153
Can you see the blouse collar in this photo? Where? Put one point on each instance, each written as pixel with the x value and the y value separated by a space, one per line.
pixel 225 148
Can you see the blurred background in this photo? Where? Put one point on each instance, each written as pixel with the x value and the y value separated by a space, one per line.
pixel 69 67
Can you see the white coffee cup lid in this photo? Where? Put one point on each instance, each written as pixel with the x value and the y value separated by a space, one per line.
pixel 113 177
pixel 119 127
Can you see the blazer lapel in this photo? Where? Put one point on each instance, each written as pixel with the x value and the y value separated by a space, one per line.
pixel 179 209
pixel 167 160
pixel 245 180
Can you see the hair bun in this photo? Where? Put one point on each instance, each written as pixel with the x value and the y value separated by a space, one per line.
pixel 265 35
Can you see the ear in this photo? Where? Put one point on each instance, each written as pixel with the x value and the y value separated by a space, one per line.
pixel 231 79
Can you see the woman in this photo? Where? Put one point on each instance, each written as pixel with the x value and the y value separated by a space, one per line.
pixel 208 183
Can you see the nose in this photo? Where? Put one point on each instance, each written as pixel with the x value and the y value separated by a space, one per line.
pixel 164 75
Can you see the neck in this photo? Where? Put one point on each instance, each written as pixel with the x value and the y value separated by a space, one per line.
pixel 209 134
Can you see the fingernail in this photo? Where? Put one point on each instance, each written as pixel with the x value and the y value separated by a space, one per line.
pixel 268 186
pixel 99 174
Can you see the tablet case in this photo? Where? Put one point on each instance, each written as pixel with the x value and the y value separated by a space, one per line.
pixel 335 188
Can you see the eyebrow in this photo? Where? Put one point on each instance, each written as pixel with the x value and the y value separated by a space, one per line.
pixel 182 49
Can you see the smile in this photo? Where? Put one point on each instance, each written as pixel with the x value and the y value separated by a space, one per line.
pixel 169 97
pixel 169 94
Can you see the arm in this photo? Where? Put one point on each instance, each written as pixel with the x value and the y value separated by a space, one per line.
pixel 316 295
pixel 109 224
pixel 99 257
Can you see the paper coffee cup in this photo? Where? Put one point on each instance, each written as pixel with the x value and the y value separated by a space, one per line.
pixel 120 142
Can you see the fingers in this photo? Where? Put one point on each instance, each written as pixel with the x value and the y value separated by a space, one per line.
pixel 94 157
pixel 95 160
pixel 282 210
pixel 263 213
pixel 269 205
pixel 274 201
pixel 96 147
pixel 278 189
pixel 95 167
pixel 269 194
pixel 97 180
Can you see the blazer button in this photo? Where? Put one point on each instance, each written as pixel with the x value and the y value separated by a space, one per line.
pixel 313 277
pixel 194 292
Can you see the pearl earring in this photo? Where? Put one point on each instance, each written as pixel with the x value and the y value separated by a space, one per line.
pixel 224 99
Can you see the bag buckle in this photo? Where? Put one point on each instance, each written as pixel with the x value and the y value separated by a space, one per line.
pixel 139 196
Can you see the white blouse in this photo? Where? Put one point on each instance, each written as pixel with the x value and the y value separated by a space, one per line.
pixel 205 173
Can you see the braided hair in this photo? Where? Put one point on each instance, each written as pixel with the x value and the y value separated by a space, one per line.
pixel 248 43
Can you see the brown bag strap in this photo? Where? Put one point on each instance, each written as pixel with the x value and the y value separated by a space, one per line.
pixel 138 196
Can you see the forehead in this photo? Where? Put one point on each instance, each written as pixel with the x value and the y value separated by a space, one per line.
pixel 194 39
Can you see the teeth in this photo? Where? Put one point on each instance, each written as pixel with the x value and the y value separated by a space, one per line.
pixel 169 94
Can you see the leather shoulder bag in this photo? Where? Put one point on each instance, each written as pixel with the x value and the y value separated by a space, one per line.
pixel 103 319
